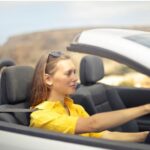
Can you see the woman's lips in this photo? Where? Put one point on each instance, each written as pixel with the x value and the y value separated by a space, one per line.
pixel 73 85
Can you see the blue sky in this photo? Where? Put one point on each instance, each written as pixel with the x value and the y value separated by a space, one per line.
pixel 26 17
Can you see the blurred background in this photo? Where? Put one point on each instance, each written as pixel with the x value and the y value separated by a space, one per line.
pixel 27 29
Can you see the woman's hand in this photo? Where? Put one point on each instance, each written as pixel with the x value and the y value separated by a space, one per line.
pixel 147 108
pixel 126 136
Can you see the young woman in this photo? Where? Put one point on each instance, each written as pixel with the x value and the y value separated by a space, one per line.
pixel 54 79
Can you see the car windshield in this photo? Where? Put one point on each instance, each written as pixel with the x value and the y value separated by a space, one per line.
pixel 143 39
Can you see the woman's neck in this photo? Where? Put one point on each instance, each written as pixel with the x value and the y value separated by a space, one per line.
pixel 56 97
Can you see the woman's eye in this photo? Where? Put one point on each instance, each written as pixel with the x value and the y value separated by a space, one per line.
pixel 69 73
pixel 74 71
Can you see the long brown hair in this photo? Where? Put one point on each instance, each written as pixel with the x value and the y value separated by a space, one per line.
pixel 47 64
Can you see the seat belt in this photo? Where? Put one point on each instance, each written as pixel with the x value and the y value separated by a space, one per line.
pixel 7 110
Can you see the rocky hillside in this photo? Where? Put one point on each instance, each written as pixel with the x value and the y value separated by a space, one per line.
pixel 27 48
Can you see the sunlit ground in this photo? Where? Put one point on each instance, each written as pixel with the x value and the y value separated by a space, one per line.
pixel 130 80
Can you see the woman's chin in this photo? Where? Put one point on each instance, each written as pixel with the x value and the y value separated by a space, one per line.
pixel 72 91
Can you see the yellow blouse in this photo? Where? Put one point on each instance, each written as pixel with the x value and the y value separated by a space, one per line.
pixel 53 116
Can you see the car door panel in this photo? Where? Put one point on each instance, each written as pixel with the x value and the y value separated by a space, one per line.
pixel 134 97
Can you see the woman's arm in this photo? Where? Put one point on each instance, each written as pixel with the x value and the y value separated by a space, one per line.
pixel 122 136
pixel 102 121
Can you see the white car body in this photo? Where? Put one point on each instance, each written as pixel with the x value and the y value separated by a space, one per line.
pixel 126 46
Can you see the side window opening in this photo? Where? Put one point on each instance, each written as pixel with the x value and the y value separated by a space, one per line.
pixel 118 74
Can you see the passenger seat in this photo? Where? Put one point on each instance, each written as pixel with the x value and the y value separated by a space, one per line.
pixel 96 97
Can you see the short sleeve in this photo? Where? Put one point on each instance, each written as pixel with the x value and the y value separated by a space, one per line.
pixel 53 121
pixel 81 111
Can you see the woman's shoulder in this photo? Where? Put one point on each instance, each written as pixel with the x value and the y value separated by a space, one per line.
pixel 44 105
pixel 78 106
pixel 71 102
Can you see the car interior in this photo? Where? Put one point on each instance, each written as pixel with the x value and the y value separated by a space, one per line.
pixel 94 96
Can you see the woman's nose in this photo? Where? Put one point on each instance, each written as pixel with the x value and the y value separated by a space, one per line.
pixel 75 77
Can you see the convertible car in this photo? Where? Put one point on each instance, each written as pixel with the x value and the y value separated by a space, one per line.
pixel 129 47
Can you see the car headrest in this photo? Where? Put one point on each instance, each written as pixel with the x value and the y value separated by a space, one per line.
pixel 6 62
pixel 15 83
pixel 91 69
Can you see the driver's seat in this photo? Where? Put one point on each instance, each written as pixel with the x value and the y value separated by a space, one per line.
pixel 15 83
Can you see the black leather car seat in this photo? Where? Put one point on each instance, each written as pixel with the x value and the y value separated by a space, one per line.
pixel 5 62
pixel 96 97
pixel 16 82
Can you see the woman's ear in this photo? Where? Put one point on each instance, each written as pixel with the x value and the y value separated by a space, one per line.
pixel 48 79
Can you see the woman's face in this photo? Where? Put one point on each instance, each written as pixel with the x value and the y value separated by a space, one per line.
pixel 64 80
